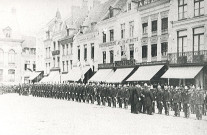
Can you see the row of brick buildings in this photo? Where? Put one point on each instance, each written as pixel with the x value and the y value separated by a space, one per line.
pixel 129 41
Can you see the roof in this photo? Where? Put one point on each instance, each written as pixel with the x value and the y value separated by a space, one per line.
pixel 9 20
pixel 96 14
pixel 119 4
pixel 29 42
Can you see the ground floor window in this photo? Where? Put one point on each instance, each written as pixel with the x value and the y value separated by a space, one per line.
pixel 11 75
pixel 1 75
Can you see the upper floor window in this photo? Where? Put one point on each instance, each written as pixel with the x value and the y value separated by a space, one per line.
pixel 1 56
pixel 58 45
pixel 154 26
pixel 199 7
pixel 131 47
pixel 182 41
pixel 68 32
pixel 122 30
pixel 49 53
pixel 129 6
pixel 48 34
pixel 63 50
pixel 85 52
pixel 66 49
pixel 154 50
pixel 79 53
pixel 164 49
pixel 104 57
pixel 104 37
pixel 182 9
pixel 71 48
pixel 111 12
pixel 92 51
pixel 54 45
pixel 144 51
pixel 131 29
pixel 164 23
pixel 111 56
pixel 11 56
pixel 63 65
pixel 145 27
pixel 53 61
pixel 111 35
pixel 198 39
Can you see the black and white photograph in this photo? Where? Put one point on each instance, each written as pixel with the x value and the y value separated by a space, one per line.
pixel 103 67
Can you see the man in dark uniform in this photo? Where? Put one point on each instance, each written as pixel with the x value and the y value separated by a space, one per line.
pixel 119 96
pixel 199 101
pixel 176 101
pixel 186 102
pixel 109 95
pixel 148 100
pixel 114 95
pixel 166 100
pixel 98 96
pixel 126 96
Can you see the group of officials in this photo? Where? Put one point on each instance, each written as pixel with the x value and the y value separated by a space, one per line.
pixel 143 98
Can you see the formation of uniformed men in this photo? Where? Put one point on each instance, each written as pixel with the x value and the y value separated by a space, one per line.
pixel 143 98
pixel 8 89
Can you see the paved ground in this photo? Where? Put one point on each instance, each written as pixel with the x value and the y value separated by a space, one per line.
pixel 21 115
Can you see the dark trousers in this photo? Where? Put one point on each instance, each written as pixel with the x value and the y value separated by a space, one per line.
pixel 186 109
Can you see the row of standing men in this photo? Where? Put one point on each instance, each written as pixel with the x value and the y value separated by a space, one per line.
pixel 143 99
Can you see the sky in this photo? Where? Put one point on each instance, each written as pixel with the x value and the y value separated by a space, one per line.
pixel 34 14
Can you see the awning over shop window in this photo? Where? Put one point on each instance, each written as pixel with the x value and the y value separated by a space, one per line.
pixel 145 73
pixel 45 79
pixel 182 72
pixel 53 77
pixel 76 74
pixel 101 75
pixel 119 75
pixel 34 75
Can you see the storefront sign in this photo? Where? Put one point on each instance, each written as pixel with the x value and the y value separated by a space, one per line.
pixel 152 63
pixel 105 66
pixel 124 63
pixel 108 44
pixel 130 41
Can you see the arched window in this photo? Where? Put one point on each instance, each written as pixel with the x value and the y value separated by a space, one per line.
pixel 11 57
pixel 11 75
pixel 1 56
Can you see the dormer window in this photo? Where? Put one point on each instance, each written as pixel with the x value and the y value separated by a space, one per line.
pixel 111 12
pixel 48 34
pixel 7 32
pixel 68 31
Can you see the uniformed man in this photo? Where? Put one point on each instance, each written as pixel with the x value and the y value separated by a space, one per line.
pixel 199 101
pixel 166 99
pixel 186 102
pixel 176 101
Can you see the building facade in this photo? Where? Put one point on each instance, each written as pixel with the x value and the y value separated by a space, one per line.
pixel 187 46
pixel 10 49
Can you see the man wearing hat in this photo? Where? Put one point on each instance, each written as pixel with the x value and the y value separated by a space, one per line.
pixel 199 101
pixel 166 100
pixel 176 101
pixel 159 98
pixel 186 102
